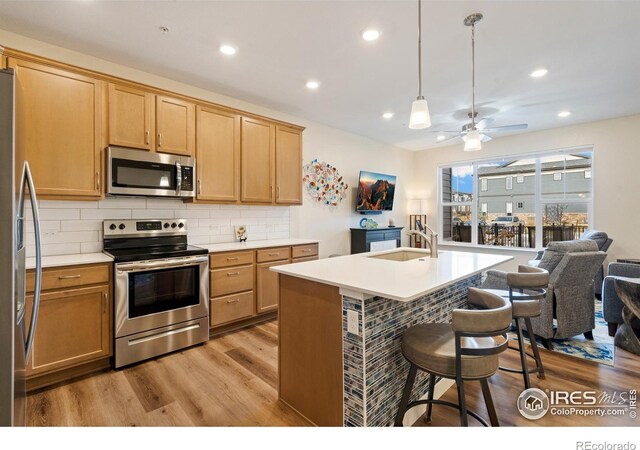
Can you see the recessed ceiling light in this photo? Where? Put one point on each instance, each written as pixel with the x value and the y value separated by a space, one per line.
pixel 370 35
pixel 387 115
pixel 564 114
pixel 311 84
pixel 228 49
pixel 441 137
pixel 538 73
pixel 164 29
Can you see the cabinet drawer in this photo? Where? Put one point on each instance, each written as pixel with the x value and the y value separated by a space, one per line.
pixel 230 280
pixel 309 258
pixel 274 254
pixel 230 308
pixel 304 251
pixel 391 235
pixel 70 277
pixel 217 260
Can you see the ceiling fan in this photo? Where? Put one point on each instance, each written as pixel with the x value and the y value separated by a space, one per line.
pixel 474 133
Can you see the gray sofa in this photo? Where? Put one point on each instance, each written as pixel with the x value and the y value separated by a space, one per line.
pixel 570 298
pixel 611 303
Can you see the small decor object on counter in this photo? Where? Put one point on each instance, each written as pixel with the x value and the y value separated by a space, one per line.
pixel 368 224
pixel 392 222
pixel 241 233
pixel 324 183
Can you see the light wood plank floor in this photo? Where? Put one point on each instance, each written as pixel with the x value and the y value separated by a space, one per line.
pixel 232 381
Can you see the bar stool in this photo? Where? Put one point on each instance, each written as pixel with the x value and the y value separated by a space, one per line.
pixel 526 305
pixel 465 350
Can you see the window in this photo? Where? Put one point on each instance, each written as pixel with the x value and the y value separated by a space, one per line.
pixel 552 202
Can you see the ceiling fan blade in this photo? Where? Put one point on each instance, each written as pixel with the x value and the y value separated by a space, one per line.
pixel 485 137
pixel 520 126
pixel 450 131
pixel 482 123
pixel 448 139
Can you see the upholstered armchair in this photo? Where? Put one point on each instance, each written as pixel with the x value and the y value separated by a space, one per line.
pixel 604 242
pixel 570 298
pixel 611 303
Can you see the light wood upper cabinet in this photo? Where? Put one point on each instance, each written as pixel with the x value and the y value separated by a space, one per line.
pixel 217 155
pixel 288 165
pixel 59 129
pixel 258 157
pixel 175 126
pixel 131 117
pixel 74 327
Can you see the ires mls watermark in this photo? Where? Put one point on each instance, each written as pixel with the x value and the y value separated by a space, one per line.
pixel 535 403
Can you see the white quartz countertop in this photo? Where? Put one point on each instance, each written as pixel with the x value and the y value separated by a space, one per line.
pixel 397 280
pixel 70 260
pixel 252 245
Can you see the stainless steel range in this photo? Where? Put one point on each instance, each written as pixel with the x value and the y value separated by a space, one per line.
pixel 161 288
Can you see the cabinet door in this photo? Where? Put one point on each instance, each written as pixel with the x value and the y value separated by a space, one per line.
pixel 58 129
pixel 257 160
pixel 73 328
pixel 217 155
pixel 130 117
pixel 288 165
pixel 267 287
pixel 175 126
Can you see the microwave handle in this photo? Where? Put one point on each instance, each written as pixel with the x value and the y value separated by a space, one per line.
pixel 178 178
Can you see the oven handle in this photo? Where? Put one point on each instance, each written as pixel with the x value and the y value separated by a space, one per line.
pixel 163 264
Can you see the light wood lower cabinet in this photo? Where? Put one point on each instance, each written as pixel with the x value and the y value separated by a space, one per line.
pixel 74 329
pixel 231 308
pixel 267 286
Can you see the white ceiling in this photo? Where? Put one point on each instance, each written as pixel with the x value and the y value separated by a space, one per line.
pixel 590 48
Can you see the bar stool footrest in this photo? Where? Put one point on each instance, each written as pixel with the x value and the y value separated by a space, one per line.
pixel 450 405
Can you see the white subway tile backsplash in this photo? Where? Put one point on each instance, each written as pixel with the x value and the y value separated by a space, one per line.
pixel 76 227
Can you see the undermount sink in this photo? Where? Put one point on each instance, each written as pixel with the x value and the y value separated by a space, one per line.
pixel 402 255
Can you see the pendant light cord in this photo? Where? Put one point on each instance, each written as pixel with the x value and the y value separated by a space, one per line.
pixel 419 49
pixel 473 76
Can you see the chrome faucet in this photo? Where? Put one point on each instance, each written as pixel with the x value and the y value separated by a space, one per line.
pixel 431 241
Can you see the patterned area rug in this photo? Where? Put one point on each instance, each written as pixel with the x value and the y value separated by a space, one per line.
pixel 600 350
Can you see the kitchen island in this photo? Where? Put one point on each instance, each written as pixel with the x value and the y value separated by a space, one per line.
pixel 341 321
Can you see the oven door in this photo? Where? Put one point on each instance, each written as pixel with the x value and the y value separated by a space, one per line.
pixel 157 293
pixel 136 172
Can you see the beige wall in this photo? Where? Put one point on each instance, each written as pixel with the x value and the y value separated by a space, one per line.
pixel 616 175
pixel 348 152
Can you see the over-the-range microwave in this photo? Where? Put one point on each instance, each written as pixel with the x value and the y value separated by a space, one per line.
pixel 143 173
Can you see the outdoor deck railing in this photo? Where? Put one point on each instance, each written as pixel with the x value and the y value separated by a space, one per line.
pixel 517 235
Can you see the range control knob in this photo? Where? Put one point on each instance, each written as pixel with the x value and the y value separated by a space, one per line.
pixel 180 225
pixel 173 225
pixel 112 226
pixel 166 225
pixel 122 226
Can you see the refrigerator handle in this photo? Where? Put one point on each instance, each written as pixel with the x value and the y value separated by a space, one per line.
pixel 27 180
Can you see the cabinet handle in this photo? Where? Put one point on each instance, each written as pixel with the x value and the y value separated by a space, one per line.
pixel 159 139
pixel 235 258
pixel 274 254
pixel 232 274
pixel 306 250
pixel 104 303
pixel 278 192
pixel 98 179
pixel 146 137
pixel 271 190
pixel 233 301
pixel 68 277
pixel 199 186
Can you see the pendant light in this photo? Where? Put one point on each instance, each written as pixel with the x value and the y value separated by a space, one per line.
pixel 473 140
pixel 419 118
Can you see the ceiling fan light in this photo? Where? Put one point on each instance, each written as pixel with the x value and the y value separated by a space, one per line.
pixel 472 141
pixel 420 117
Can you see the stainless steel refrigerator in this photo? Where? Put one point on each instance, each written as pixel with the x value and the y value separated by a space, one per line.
pixel 17 330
